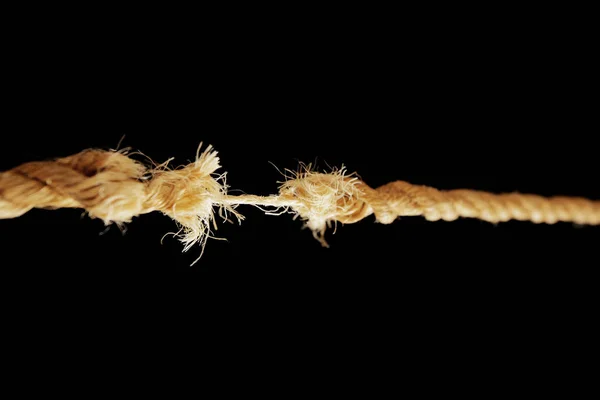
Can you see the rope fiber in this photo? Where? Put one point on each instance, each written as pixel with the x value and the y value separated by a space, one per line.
pixel 113 187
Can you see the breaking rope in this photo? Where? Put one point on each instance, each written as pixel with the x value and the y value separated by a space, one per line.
pixel 113 187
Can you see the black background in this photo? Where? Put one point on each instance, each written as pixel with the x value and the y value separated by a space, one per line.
pixel 505 108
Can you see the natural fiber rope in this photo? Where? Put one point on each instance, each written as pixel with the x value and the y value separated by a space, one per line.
pixel 113 187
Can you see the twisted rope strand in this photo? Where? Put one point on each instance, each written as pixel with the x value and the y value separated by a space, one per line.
pixel 402 198
pixel 115 188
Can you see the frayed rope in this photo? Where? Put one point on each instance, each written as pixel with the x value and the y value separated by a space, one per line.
pixel 113 187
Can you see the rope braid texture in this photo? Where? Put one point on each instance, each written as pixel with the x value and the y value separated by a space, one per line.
pixel 113 187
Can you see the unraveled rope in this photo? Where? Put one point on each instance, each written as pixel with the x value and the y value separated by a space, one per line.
pixel 115 188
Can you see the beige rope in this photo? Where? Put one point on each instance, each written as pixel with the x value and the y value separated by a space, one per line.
pixel 113 187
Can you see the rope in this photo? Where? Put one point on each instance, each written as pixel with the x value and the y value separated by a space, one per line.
pixel 115 188
pixel 402 199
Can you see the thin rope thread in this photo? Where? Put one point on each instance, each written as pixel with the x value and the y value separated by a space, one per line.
pixel 111 186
